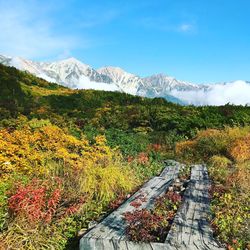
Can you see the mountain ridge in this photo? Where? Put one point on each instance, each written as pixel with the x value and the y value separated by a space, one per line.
pixel 75 74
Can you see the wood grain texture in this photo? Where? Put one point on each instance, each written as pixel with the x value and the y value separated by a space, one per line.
pixel 191 229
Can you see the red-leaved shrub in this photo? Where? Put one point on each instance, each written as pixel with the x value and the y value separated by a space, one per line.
pixel 143 158
pixel 36 201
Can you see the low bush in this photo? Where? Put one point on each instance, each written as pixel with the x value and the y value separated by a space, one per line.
pixel 152 225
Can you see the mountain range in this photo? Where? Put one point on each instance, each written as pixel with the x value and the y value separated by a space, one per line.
pixel 74 74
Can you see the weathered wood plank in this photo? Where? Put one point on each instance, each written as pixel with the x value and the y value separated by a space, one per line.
pixel 191 229
pixel 113 226
pixel 113 244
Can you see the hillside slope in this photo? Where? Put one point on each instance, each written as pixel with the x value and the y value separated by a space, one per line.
pixel 23 93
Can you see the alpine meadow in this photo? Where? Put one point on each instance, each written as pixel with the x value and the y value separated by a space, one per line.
pixel 124 125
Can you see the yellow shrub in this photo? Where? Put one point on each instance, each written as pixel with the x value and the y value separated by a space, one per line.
pixel 22 236
pixel 28 150
pixel 209 133
pixel 237 132
pixel 219 167
pixel 99 153
pixel 219 161
pixel 102 183
pixel 87 173
pixel 185 150
pixel 48 150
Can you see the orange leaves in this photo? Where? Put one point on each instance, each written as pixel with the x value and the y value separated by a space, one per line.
pixel 227 152
pixel 41 110
pixel 156 147
pixel 240 149
pixel 240 179
pixel 233 142
pixel 183 146
pixel 143 158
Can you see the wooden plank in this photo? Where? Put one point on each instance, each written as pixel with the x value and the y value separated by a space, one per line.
pixel 113 226
pixel 113 244
pixel 191 229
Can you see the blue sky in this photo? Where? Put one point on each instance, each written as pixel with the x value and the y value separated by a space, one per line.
pixel 192 40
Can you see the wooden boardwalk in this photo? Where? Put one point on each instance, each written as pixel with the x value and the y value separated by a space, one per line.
pixel 190 229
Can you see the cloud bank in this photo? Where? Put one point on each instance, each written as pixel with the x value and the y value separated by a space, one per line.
pixel 85 83
pixel 237 93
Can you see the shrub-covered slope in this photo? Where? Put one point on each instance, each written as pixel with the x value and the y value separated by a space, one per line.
pixel 89 110
pixel 66 155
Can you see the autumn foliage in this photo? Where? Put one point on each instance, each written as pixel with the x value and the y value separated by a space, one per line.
pixel 240 149
pixel 35 201
pixel 52 177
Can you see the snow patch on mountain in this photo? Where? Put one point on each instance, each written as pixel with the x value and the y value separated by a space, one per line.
pixel 128 82
pixel 74 74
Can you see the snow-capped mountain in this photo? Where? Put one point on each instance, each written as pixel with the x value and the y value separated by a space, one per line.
pixel 69 72
pixel 161 81
pixel 74 74
pixel 128 82
pixel 162 85
pixel 25 65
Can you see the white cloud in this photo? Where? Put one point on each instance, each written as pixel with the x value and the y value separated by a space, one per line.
pixel 162 24
pixel 24 31
pixel 237 93
pixel 186 27
pixel 85 83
